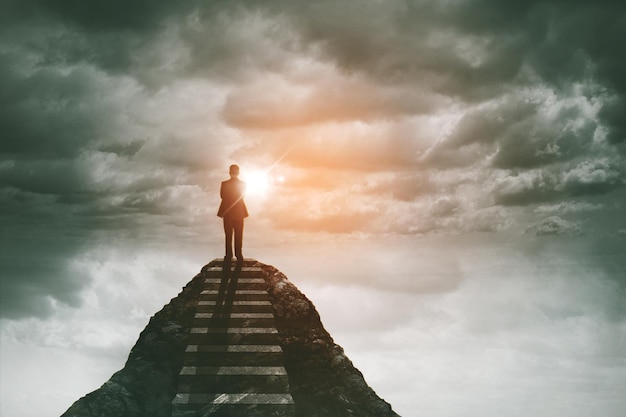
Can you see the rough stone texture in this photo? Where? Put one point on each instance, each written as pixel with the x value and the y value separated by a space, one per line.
pixel 323 380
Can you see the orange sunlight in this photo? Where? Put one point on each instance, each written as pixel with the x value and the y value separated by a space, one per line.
pixel 257 182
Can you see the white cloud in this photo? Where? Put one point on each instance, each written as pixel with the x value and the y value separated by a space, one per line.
pixel 568 207
pixel 554 225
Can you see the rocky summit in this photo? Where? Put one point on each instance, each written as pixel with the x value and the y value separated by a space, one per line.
pixel 240 340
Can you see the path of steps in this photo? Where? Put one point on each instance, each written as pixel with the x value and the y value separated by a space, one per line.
pixel 233 364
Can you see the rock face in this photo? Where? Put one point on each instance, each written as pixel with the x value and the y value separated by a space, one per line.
pixel 321 379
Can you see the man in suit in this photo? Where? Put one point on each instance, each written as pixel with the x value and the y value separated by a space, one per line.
pixel 233 210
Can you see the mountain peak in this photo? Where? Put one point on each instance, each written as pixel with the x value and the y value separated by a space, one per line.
pixel 239 340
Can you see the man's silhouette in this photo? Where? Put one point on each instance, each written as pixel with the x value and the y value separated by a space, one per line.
pixel 233 210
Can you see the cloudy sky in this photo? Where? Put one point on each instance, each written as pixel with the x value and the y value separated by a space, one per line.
pixel 445 180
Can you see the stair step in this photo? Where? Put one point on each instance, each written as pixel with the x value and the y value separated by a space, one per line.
pixel 238 291
pixel 241 330
pixel 240 398
pixel 236 303
pixel 227 321
pixel 233 339
pixel 229 298
pixel 244 286
pixel 237 315
pixel 233 370
pixel 234 410
pixel 233 365
pixel 234 348
pixel 239 281
pixel 244 273
pixel 239 308
pixel 233 358
pixel 233 383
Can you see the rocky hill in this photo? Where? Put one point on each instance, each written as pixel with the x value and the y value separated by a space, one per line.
pixel 240 342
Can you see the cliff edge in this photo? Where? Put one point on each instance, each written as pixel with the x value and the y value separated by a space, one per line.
pixel 321 379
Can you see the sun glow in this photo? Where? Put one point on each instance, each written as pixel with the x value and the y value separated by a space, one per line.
pixel 257 182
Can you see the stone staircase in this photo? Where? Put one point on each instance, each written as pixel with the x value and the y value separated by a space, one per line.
pixel 233 364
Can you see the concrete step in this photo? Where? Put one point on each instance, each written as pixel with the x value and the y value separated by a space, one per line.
pixel 233 359
pixel 233 330
pixel 236 308
pixel 236 303
pixel 239 398
pixel 238 296
pixel 231 322
pixel 220 261
pixel 233 384
pixel 259 286
pixel 234 410
pixel 239 281
pixel 235 315
pixel 233 348
pixel 233 370
pixel 233 339
pixel 244 273
pixel 233 363
pixel 238 291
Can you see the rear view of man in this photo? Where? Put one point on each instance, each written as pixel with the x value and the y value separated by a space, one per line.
pixel 233 210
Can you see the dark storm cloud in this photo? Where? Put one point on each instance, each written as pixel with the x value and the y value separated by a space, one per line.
pixel 550 35
pixel 133 15
pixel 93 134
pixel 123 149
pixel 595 177
pixel 418 41
pixel 554 225
pixel 587 178
pixel 45 123
pixel 480 131
pixel 38 241
pixel 540 140
pixel 67 174
pixel 50 215
pixel 44 112
pixel 108 34
pixel 53 177
pixel 35 275
pixel 136 15
pixel 489 123
pixel 477 49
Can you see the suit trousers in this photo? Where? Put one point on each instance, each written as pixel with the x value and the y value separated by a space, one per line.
pixel 233 226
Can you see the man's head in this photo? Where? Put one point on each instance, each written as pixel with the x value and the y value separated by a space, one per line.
pixel 234 170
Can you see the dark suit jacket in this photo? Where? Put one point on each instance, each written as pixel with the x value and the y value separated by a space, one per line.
pixel 232 204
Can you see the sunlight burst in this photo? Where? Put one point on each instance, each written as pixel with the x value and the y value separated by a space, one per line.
pixel 257 182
